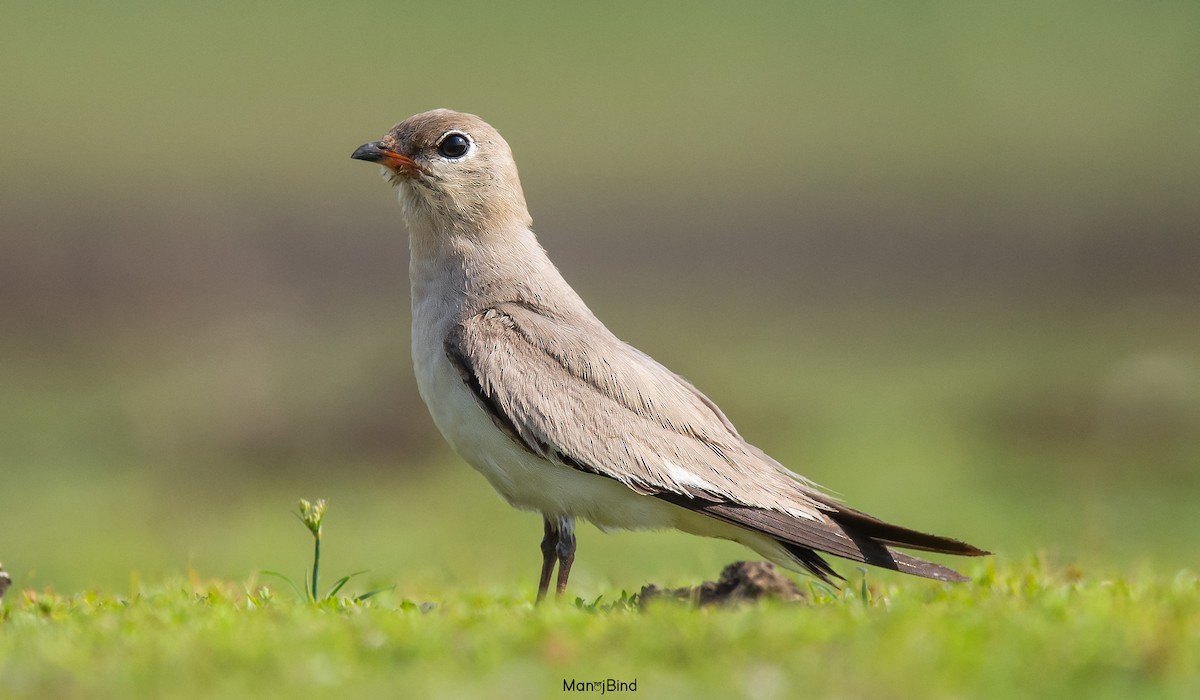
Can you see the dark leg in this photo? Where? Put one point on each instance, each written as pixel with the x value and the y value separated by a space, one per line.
pixel 549 551
pixel 565 551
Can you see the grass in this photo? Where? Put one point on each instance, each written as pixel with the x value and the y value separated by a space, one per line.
pixel 1030 627
pixel 1021 629
pixel 311 515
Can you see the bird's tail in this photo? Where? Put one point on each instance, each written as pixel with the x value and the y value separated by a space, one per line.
pixel 843 532
pixel 876 539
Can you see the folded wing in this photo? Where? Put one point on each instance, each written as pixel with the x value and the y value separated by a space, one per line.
pixel 571 392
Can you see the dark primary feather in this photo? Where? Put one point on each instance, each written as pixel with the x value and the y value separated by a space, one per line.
pixel 849 534
pixel 571 392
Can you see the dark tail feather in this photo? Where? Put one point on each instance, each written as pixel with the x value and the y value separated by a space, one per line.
pixel 843 532
pixel 813 563
pixel 896 561
pixel 855 521
pixel 872 537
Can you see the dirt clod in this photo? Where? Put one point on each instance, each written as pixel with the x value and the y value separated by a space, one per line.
pixel 740 581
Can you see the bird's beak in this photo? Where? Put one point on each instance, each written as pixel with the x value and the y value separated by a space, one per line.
pixel 374 152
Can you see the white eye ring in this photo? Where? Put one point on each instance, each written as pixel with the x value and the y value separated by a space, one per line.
pixel 455 145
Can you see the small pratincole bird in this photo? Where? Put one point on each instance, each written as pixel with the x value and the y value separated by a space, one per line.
pixel 532 390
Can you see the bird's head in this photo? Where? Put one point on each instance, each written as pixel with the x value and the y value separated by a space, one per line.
pixel 453 170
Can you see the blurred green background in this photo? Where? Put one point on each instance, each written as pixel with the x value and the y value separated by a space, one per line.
pixel 940 257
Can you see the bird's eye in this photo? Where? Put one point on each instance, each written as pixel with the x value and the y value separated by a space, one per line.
pixel 454 145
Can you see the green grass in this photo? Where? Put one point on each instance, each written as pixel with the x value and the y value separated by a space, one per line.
pixel 1020 630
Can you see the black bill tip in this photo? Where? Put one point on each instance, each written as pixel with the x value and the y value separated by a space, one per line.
pixel 372 152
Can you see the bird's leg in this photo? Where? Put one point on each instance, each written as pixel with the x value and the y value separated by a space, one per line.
pixel 565 551
pixel 549 552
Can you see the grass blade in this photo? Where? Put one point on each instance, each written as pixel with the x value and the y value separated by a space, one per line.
pixel 333 590
pixel 288 580
pixel 372 594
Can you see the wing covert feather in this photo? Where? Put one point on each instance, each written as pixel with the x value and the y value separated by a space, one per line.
pixel 578 395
